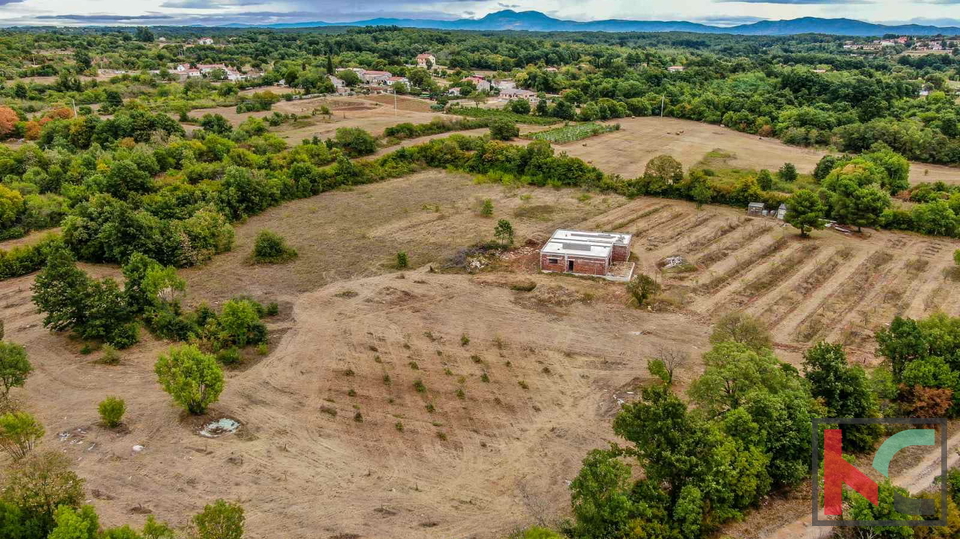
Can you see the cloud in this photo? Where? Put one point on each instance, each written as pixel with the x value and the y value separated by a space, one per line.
pixel 728 20
pixel 5 2
pixel 508 6
pixel 209 4
pixel 797 2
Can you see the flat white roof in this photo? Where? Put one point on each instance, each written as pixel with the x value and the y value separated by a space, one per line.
pixel 603 238
pixel 585 244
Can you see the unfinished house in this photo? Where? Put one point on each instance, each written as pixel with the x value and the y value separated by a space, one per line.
pixel 602 254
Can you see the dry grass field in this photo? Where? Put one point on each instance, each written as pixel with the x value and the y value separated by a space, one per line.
pixel 423 405
pixel 627 151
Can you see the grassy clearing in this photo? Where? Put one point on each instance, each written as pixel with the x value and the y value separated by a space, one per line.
pixel 573 132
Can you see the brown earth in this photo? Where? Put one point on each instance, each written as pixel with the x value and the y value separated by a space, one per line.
pixel 500 456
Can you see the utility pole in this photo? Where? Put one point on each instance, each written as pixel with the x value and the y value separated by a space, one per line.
pixel 663 99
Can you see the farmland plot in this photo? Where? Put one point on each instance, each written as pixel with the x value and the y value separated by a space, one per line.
pixel 835 287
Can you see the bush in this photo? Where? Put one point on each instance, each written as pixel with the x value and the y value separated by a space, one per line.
pixel 20 432
pixel 504 130
pixel 221 520
pixel 111 411
pixel 355 142
pixel 642 287
pixel 192 378
pixel 272 248
pixel 110 356
pixel 229 356
pixel 486 208
pixel 240 324
pixel 402 261
pixel 788 173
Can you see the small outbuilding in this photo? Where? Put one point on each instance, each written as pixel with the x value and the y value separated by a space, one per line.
pixel 584 253
pixel 755 208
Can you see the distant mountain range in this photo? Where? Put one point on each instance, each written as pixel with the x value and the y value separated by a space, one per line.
pixel 536 21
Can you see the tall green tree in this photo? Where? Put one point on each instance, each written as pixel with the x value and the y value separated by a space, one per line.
pixel 845 391
pixel 805 211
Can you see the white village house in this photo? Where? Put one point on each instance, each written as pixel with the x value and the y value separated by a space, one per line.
pixel 426 60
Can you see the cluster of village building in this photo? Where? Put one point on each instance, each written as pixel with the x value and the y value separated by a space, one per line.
pixel 232 75
pixel 927 45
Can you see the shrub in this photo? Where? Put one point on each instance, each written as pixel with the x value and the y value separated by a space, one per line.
pixel 486 208
pixel 788 173
pixel 229 356
pixel 192 378
pixel 20 432
pixel 502 129
pixel 111 411
pixel 110 356
pixel 355 142
pixel 642 287
pixel 503 232
pixel 272 248
pixel 240 324
pixel 221 520
pixel 402 261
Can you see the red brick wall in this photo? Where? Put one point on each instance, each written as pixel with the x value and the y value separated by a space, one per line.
pixel 589 266
pixel 621 253
pixel 545 264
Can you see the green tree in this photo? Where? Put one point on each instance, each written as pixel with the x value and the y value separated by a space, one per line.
pixel 12 206
pixel 355 142
pixel 192 378
pixel 111 411
pixel 665 168
pixel 38 485
pixel 14 367
pixel 503 130
pixel 503 232
pixel 60 291
pixel 805 211
pixel 220 520
pixel 519 106
pixel 240 324
pixel 75 524
pixel 845 391
pixel 20 433
pixel 216 123
pixel 601 496
pixel 643 287
pixel 788 173
pixel 741 328
pixel 350 78
pixel 144 34
pixel 765 180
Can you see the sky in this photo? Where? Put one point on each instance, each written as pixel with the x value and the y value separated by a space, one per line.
pixel 216 12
